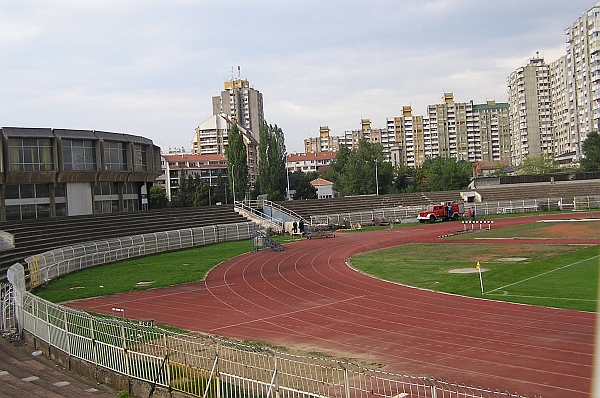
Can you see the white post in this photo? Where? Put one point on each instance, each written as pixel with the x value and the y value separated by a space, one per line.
pixel 478 266
pixel 376 178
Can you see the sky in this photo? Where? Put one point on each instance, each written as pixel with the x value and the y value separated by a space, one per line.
pixel 150 67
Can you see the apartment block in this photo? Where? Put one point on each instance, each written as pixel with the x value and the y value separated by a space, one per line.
pixel 583 79
pixel 242 103
pixel 530 114
pixel 323 143
pixel 175 166
pixel 211 138
pixel 309 161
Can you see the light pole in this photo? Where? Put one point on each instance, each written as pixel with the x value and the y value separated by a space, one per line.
pixel 287 175
pixel 233 182
pixel 376 179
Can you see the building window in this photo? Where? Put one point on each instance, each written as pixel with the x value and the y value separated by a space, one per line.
pixel 30 154
pixel 79 155
pixel 27 201
pixel 115 154
pixel 139 156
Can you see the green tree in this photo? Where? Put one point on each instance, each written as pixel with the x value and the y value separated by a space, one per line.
pixel 359 174
pixel 272 174
pixel 444 174
pixel 237 163
pixel 204 195
pixel 402 174
pixel 338 168
pixel 158 198
pixel 304 189
pixel 591 152
pixel 535 165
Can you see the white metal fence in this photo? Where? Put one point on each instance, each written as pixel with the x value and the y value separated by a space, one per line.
pixel 53 263
pixel 397 214
pixel 214 367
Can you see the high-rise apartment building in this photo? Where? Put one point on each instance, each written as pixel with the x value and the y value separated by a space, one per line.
pixel 241 103
pixel 583 78
pixel 561 112
pixel 323 143
pixel 530 114
pixel 489 132
pixel 408 133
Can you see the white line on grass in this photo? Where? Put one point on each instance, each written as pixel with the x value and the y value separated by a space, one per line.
pixel 542 274
pixel 543 297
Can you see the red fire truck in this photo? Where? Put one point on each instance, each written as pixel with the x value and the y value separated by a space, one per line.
pixel 444 211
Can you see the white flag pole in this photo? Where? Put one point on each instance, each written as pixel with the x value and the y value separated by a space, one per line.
pixel 478 266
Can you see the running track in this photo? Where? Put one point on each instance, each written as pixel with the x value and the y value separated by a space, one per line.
pixel 306 297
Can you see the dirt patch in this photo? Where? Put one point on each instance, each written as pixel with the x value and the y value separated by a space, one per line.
pixel 572 229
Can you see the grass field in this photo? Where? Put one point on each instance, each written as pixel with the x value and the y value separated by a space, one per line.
pixel 561 276
pixel 161 270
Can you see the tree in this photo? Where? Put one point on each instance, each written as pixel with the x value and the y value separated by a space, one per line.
pixel 535 165
pixel 443 174
pixel 158 198
pixel 272 174
pixel 338 168
pixel 237 163
pixel 304 189
pixel 591 152
pixel 359 171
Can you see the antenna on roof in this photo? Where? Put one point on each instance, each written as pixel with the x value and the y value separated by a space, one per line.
pixel 239 73
pixel 232 73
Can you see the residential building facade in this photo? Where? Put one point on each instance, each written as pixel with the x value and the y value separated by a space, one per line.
pixel 310 161
pixel 242 103
pixel 211 138
pixel 530 115
pixel 210 168
pixel 583 80
pixel 325 142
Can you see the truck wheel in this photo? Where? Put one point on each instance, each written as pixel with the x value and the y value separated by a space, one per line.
pixel 455 216
pixel 431 219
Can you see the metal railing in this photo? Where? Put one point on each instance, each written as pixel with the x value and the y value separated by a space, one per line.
pixel 215 367
pixel 397 214
pixel 60 261
pixel 251 212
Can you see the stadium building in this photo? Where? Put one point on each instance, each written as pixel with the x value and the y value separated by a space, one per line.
pixel 48 172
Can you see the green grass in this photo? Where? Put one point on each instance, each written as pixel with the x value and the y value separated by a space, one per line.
pixel 162 270
pixel 542 280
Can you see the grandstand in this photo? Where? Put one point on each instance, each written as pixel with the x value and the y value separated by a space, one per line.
pixel 38 235
pixel 567 190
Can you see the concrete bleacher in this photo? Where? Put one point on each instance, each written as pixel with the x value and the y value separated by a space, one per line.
pixel 25 375
pixel 39 235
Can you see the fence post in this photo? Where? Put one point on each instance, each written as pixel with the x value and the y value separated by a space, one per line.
pixel 93 336
pixel 433 390
pixel 346 380
pixel 68 345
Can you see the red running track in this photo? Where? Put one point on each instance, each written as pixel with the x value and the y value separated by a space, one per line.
pixel 306 297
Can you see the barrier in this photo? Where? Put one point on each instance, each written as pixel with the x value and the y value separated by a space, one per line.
pixel 211 366
pixel 481 223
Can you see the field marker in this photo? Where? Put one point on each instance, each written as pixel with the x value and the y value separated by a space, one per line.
pixel 478 266
pixel 542 274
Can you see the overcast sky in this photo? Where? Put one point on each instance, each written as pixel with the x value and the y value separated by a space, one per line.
pixel 150 67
